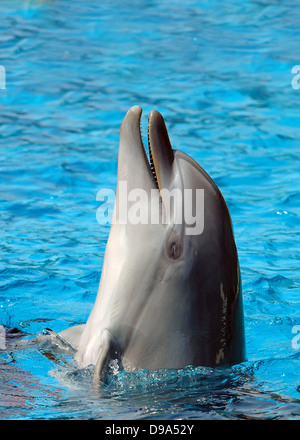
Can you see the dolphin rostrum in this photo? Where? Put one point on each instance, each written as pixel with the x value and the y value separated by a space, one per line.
pixel 167 298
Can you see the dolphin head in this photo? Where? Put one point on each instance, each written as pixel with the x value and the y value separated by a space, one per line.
pixel 170 290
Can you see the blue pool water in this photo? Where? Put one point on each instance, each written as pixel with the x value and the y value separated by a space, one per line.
pixel 220 73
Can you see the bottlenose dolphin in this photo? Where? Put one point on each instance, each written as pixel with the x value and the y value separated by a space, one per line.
pixel 166 299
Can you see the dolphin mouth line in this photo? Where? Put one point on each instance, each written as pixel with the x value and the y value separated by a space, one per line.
pixel 149 156
pixel 151 161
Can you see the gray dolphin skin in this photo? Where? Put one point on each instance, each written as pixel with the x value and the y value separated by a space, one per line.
pixel 166 299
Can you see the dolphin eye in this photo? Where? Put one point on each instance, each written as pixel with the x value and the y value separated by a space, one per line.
pixel 174 250
pixel 174 244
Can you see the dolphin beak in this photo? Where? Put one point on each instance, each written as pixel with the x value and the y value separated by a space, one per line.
pixel 133 162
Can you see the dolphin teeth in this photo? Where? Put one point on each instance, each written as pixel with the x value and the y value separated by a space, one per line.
pixel 151 163
pixel 151 159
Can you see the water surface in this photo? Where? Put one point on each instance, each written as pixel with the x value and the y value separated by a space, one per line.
pixel 221 76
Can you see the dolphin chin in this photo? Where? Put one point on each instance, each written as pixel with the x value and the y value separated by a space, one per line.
pixel 167 298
